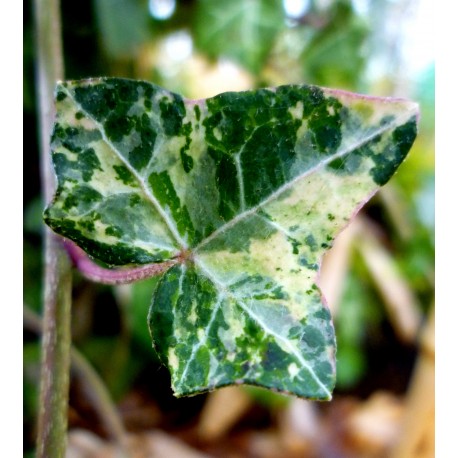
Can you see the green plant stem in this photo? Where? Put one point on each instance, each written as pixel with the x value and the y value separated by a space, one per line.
pixel 55 359
pixel 93 386
pixel 56 334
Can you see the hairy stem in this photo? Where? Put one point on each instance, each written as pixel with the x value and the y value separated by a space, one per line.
pixel 56 335
pixel 93 386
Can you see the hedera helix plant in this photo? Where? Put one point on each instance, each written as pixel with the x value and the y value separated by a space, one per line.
pixel 233 200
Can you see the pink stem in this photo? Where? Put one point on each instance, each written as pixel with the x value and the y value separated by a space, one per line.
pixel 118 276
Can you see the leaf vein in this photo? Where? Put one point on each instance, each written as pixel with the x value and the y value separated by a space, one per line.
pixel 202 340
pixel 168 221
pixel 223 291
pixel 300 177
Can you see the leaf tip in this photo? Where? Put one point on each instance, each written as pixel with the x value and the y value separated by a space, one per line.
pixel 415 110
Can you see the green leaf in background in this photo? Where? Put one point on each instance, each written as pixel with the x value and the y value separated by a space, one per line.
pixel 246 191
pixel 140 298
pixel 241 30
pixel 357 309
pixel 335 54
pixel 123 26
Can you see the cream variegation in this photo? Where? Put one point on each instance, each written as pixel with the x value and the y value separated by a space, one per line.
pixel 245 192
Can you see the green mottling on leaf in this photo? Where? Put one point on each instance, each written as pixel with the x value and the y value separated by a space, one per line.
pixel 267 171
pixel 166 290
pixel 311 242
pixel 124 174
pixel 76 139
pixel 275 359
pixel 295 332
pixel 295 245
pixel 225 180
pixel 134 200
pixel 325 125
pixel 402 139
pixel 118 125
pixel 149 89
pixel 114 231
pixel 187 161
pixel 164 190
pixel 69 202
pixel 325 371
pixel 348 165
pixel 248 190
pixel 312 337
pixel 304 262
pixel 322 314
pixel 58 132
pixel 89 162
pixel 82 197
pixel 97 100
pixel 172 113
pixel 86 163
pixel 197 112
pixel 88 226
pixel 71 131
pixel 60 96
pixel 140 156
pixel 116 254
pixel 126 90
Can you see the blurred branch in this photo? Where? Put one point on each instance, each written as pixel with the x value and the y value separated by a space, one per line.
pixel 418 435
pixel 222 410
pixel 401 303
pixel 397 210
pixel 93 385
pixel 335 267
pixel 56 340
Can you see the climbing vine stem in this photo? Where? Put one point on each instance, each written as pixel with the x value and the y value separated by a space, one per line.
pixel 56 335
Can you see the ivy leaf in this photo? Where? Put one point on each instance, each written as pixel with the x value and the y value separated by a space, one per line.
pixel 246 191
pixel 253 25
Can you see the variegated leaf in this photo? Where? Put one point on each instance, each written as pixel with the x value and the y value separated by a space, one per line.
pixel 246 191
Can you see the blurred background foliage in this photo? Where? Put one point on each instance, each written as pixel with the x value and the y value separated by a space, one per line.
pixel 379 281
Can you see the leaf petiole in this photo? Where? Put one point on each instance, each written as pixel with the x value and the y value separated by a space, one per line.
pixel 92 271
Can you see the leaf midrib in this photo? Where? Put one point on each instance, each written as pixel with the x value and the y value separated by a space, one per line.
pixel 291 183
pixel 223 291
